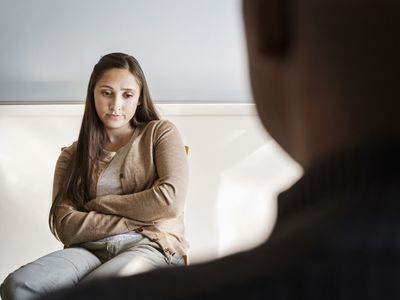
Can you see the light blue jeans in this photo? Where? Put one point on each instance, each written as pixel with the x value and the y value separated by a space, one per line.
pixel 92 260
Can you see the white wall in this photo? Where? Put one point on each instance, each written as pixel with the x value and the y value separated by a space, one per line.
pixel 236 170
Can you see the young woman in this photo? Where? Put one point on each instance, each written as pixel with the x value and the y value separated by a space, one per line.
pixel 119 191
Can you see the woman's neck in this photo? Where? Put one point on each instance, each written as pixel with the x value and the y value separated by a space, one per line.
pixel 118 138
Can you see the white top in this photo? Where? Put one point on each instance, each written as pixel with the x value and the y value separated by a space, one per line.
pixel 109 183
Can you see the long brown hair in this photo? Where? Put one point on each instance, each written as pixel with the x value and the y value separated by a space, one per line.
pixel 92 135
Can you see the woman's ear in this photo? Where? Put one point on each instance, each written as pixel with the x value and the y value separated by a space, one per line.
pixel 267 26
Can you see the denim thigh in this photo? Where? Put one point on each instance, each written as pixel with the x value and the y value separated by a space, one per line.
pixel 131 257
pixel 53 271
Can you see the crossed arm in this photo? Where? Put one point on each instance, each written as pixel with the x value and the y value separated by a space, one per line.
pixel 116 214
pixel 74 225
pixel 166 197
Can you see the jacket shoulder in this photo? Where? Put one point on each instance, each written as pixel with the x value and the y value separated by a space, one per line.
pixel 67 151
pixel 160 124
pixel 157 128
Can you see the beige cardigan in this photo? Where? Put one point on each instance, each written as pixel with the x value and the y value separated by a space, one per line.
pixel 154 181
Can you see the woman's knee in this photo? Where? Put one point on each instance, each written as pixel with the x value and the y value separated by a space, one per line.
pixel 15 287
pixel 55 270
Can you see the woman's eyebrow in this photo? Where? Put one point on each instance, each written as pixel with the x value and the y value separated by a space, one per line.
pixel 106 86
pixel 123 89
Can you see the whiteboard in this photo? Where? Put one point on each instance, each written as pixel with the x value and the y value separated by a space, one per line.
pixel 190 50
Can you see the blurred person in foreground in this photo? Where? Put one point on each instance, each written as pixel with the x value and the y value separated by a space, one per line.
pixel 325 77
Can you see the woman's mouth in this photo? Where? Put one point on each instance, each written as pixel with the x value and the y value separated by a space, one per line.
pixel 113 116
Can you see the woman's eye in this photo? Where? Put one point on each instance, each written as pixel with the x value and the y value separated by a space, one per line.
pixel 128 95
pixel 106 93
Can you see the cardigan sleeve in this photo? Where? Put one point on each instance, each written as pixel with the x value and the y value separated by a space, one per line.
pixel 166 198
pixel 73 226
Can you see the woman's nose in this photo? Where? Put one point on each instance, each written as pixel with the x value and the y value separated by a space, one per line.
pixel 116 103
